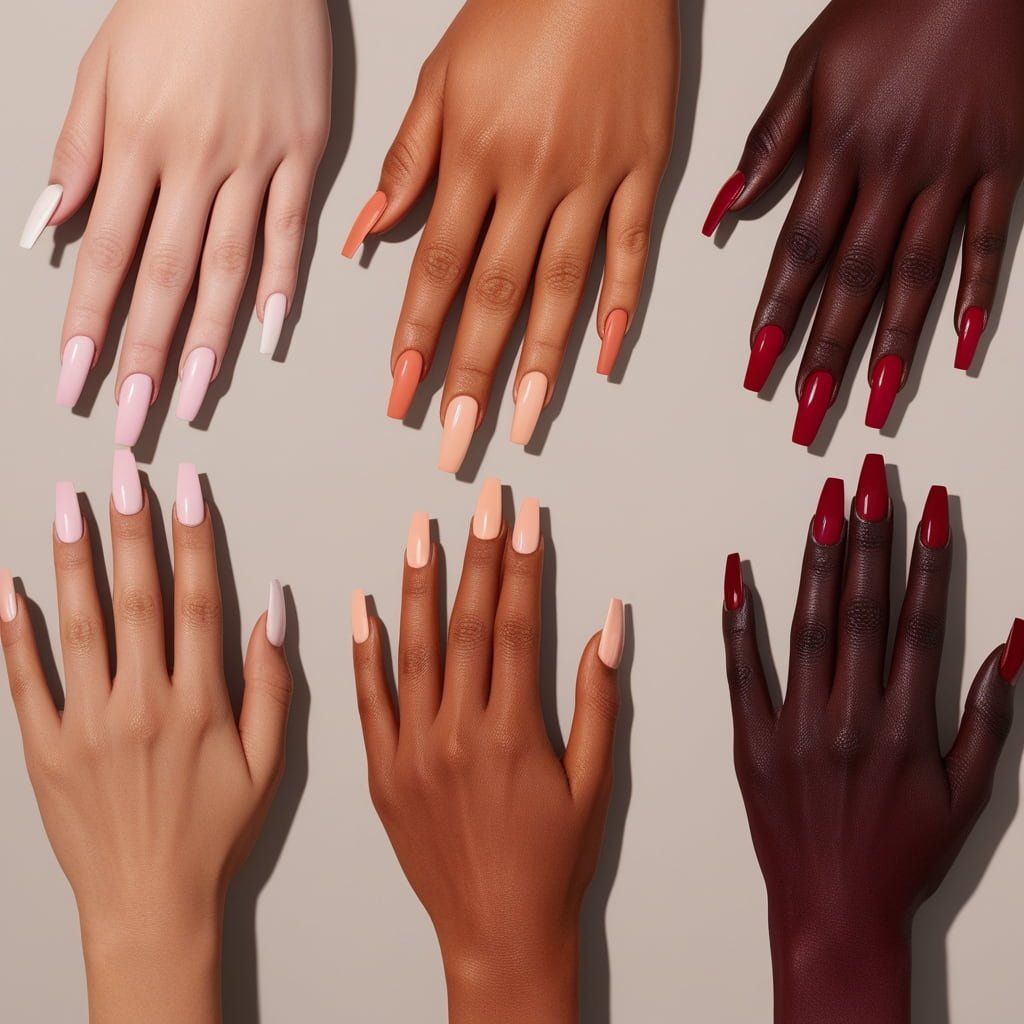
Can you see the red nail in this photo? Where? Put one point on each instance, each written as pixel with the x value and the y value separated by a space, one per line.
pixel 935 521
pixel 1012 660
pixel 408 371
pixel 768 344
pixel 873 490
pixel 830 517
pixel 733 583
pixel 728 194
pixel 885 385
pixel 814 403
pixel 971 326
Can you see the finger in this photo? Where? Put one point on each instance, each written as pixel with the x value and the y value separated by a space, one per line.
pixel 376 708
pixel 988 224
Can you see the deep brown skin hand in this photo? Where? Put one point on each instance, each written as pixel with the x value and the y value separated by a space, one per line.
pixel 910 112
pixel 497 835
pixel 855 812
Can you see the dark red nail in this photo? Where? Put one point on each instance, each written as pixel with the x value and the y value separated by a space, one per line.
pixel 830 517
pixel 971 326
pixel 728 194
pixel 768 344
pixel 873 490
pixel 1012 660
pixel 885 386
pixel 733 583
pixel 935 521
pixel 814 403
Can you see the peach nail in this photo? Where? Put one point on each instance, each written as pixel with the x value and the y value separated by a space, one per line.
pixel 408 372
pixel 368 217
pixel 276 621
pixel 68 518
pixel 8 602
pixel 360 618
pixel 126 487
pixel 611 343
pixel 75 364
pixel 613 636
pixel 188 502
pixel 487 518
pixel 459 425
pixel 526 534
pixel 417 547
pixel 533 389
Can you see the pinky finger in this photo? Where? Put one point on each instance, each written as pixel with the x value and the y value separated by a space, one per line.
pixel 376 708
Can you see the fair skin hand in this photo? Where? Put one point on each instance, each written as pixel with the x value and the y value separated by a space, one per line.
pixel 150 793
pixel 544 116
pixel 211 107
pixel 498 836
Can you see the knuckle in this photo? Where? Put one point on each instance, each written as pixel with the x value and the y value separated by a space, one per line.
pixel 988 244
pixel 995 716
pixel 167 267
pixel 72 149
pixel 381 793
pixel 105 249
pixel 810 639
pixel 765 137
pixel 79 634
pixel 896 337
pixel 399 162
pixel 847 742
pixel 469 632
pixel 200 612
pixel 865 619
pixel 604 702
pixel 635 240
pixel 276 687
pixel 440 264
pixel 418 586
pixel 456 753
pixel 516 637
pixel 415 660
pixel 563 273
pixel 857 272
pixel 923 632
pixel 137 608
pixel 803 244
pixel 371 704
pixel 142 725
pixel 497 289
pixel 919 267
pixel 229 256
pixel 289 224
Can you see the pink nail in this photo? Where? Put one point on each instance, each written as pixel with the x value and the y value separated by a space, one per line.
pixel 487 518
pixel 75 365
pixel 8 602
pixel 611 343
pixel 127 488
pixel 132 408
pixel 526 533
pixel 360 618
pixel 68 518
pixel 364 224
pixel 459 425
pixel 613 636
pixel 274 310
pixel 417 546
pixel 195 380
pixel 188 503
pixel 533 389
pixel 276 621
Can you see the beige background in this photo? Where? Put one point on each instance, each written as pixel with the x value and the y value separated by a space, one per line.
pixel 649 484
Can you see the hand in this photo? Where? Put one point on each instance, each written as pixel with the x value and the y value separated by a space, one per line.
pixel 216 105
pixel 498 837
pixel 910 112
pixel 855 814
pixel 551 113
pixel 150 793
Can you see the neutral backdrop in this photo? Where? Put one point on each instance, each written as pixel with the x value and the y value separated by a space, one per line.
pixel 650 480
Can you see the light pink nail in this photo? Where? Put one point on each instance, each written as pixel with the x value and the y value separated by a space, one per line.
pixel 274 310
pixel 132 408
pixel 360 618
pixel 417 546
pixel 8 602
pixel 41 214
pixel 459 425
pixel 195 380
pixel 188 503
pixel 526 534
pixel 75 365
pixel 127 488
pixel 276 621
pixel 613 636
pixel 487 518
pixel 533 389
pixel 68 518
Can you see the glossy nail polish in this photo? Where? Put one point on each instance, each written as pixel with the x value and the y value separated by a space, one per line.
pixel 935 520
pixel 274 311
pixel 613 636
pixel 526 533
pixel 68 517
pixel 126 487
pixel 459 426
pixel 360 618
pixel 487 518
pixel 814 403
pixel 195 380
pixel 75 364
pixel 532 391
pixel 733 583
pixel 39 216
pixel 885 386
pixel 728 194
pixel 872 501
pixel 1012 660
pixel 971 326
pixel 830 517
pixel 417 546
pixel 768 345
pixel 611 342
pixel 189 506
pixel 276 621
pixel 132 408
pixel 364 223
pixel 8 602
pixel 408 374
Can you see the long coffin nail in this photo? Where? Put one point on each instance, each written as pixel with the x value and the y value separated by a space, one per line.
pixel 613 636
pixel 408 373
pixel 195 381
pixel 935 519
pixel 459 425
pixel 132 408
pixel 814 403
pixel 68 514
pixel 487 517
pixel 75 364
pixel 274 310
pixel 126 487
pixel 8 602
pixel 276 620
pixel 727 195
pixel 39 216
pixel 368 217
pixel 971 326
pixel 885 386
pixel 872 502
pixel 733 583
pixel 526 533
pixel 611 341
pixel 532 391
pixel 360 618
pixel 417 544
pixel 830 516
pixel 1012 660
pixel 767 347
pixel 189 506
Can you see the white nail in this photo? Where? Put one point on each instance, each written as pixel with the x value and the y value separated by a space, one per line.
pixel 273 320
pixel 45 207
pixel 275 614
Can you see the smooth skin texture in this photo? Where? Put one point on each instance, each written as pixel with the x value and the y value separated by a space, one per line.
pixel 497 835
pixel 910 112
pixel 855 811
pixel 210 108
pixel 151 794
pixel 539 119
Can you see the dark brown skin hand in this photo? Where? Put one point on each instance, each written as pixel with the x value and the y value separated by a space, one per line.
pixel 911 111
pixel 855 813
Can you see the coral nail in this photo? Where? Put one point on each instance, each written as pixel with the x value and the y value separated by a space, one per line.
pixel 274 311
pixel 971 326
pixel 8 602
pixel 487 518
pixel 459 426
pixel 195 381
pixel 532 391
pixel 613 636
pixel 872 502
pixel 814 403
pixel 611 341
pixel 189 506
pixel 408 373
pixel 360 618
pixel 132 408
pixel 364 223
pixel 885 386
pixel 526 533
pixel 830 517
pixel 75 364
pixel 1012 660
pixel 126 487
pixel 417 545
pixel 39 216
pixel 727 195
pixel 68 517
pixel 935 520
pixel 768 345
pixel 733 583
pixel 276 619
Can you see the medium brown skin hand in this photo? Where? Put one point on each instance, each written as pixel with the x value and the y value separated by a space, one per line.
pixel 855 812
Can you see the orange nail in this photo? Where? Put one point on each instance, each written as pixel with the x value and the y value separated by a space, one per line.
pixel 408 372
pixel 533 389
pixel 417 546
pixel 487 518
pixel 611 343
pixel 368 217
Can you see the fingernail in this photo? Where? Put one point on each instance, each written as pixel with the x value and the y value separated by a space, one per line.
pixel 188 502
pixel 459 425
pixel 487 518
pixel 830 516
pixel 8 602
pixel 533 389
pixel 408 373
pixel 75 364
pixel 368 217
pixel 360 618
pixel 274 310
pixel 885 386
pixel 768 345
pixel 417 546
pixel 727 195
pixel 39 216
pixel 873 490
pixel 132 408
pixel 195 379
pixel 935 520
pixel 68 518
pixel 971 326
pixel 611 343
pixel 276 621
pixel 814 404
pixel 1010 664
pixel 126 487
pixel 613 636
pixel 733 583
pixel 526 533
